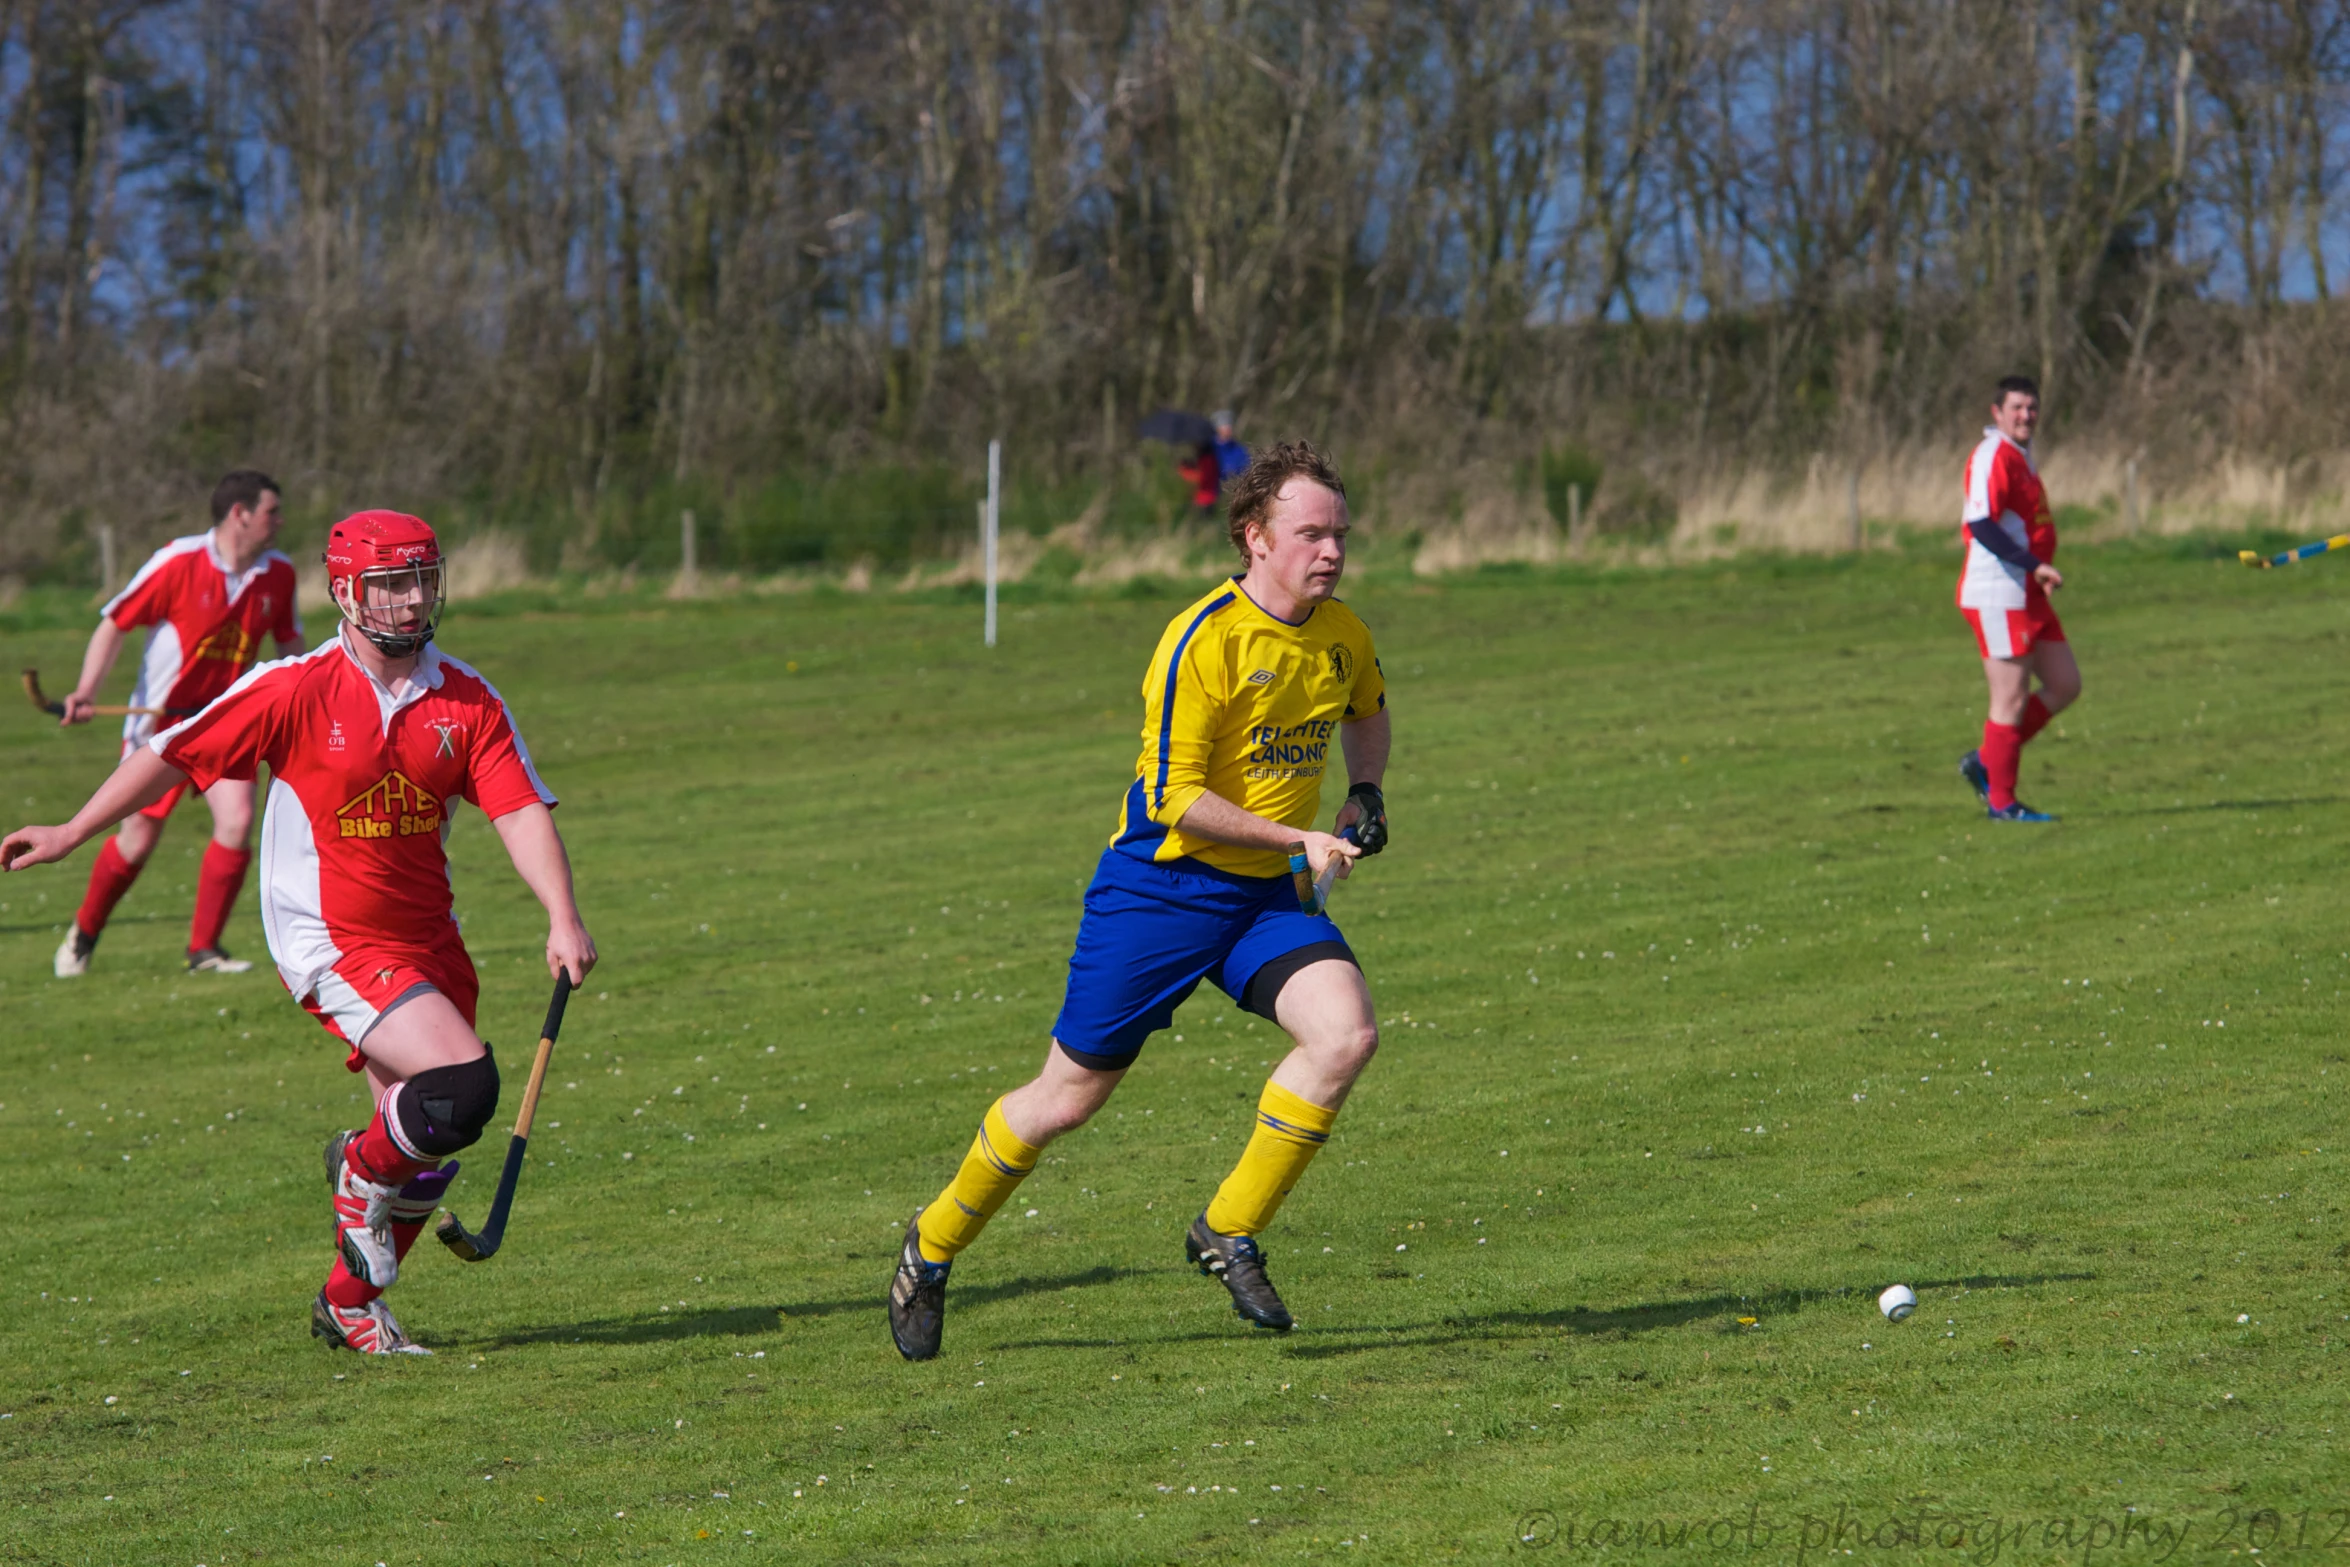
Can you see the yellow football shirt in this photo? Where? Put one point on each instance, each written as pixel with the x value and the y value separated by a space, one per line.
pixel 1248 706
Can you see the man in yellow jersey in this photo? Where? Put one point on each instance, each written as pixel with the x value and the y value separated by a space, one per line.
pixel 1247 691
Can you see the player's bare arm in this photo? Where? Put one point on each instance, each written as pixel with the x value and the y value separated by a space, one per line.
pixel 1364 743
pixel 141 780
pixel 536 849
pixel 1213 816
pixel 97 663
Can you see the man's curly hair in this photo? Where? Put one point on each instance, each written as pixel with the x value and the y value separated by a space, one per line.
pixel 1254 491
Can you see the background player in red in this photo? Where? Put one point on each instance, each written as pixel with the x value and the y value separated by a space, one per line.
pixel 206 600
pixel 2003 591
pixel 368 740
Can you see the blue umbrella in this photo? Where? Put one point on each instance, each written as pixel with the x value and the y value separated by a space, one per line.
pixel 1177 428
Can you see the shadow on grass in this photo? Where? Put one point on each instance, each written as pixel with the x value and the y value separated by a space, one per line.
pixel 747 1321
pixel 2232 805
pixel 1627 1321
pixel 1581 1321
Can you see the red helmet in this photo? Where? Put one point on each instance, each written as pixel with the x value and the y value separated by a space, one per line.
pixel 384 571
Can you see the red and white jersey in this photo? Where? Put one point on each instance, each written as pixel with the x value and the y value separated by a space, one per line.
pixel 2002 485
pixel 361 782
pixel 207 623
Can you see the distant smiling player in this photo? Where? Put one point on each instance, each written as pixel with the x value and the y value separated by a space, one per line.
pixel 206 600
pixel 2003 591
pixel 369 741
pixel 1247 691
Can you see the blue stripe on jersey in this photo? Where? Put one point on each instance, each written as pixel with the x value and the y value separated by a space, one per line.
pixel 1139 835
pixel 1167 700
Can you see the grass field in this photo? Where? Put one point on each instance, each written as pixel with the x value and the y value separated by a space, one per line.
pixel 1711 1007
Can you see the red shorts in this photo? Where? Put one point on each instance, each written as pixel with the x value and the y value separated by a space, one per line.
pixel 161 810
pixel 2013 633
pixel 370 982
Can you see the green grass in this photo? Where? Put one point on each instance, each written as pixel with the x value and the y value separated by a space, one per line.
pixel 1686 911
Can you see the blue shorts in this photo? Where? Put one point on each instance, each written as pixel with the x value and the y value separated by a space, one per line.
pixel 1152 932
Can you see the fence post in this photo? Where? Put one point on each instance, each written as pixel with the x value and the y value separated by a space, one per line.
pixel 1575 518
pixel 991 523
pixel 106 562
pixel 1852 509
pixel 2130 522
pixel 688 565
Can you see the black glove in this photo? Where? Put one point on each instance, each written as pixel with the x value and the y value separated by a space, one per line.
pixel 1370 833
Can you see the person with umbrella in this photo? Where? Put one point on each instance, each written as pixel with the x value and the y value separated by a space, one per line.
pixel 1201 469
pixel 1231 456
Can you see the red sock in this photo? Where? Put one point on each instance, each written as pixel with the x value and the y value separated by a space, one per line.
pixel 110 878
pixel 374 1156
pixel 2002 748
pixel 218 882
pixel 347 1290
pixel 2036 716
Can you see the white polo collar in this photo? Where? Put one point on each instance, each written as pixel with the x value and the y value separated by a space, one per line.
pixel 235 581
pixel 427 676
pixel 2004 437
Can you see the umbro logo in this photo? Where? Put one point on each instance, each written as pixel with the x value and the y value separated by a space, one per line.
pixel 1263 677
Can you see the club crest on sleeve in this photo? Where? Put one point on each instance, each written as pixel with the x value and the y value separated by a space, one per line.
pixel 1263 677
pixel 1342 663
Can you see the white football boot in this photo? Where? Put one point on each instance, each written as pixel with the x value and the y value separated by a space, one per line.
pixel 370 1329
pixel 73 955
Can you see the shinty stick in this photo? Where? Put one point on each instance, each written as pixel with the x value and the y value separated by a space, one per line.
pixel 32 688
pixel 454 1235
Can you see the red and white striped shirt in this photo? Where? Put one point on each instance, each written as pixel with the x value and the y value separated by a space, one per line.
pixel 2003 488
pixel 361 782
pixel 207 624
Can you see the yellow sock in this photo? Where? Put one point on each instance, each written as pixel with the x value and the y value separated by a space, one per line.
pixel 997 1162
pixel 1290 1131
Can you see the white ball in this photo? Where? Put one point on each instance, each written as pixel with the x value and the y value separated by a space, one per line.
pixel 1898 1301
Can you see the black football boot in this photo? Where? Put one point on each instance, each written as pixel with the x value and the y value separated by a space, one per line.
pixel 1240 1264
pixel 917 1298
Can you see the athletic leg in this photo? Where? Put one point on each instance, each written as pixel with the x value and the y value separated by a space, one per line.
pixel 436 1089
pixel 2060 684
pixel 120 859
pixel 222 875
pixel 1061 1097
pixel 1325 1008
pixel 1012 1134
pixel 2010 682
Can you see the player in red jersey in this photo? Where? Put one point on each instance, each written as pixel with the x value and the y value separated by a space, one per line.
pixel 207 601
pixel 369 740
pixel 2010 571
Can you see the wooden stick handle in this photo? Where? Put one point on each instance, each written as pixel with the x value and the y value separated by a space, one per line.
pixel 538 1067
pixel 530 1092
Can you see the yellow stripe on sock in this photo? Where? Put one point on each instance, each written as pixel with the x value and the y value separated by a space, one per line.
pixel 1289 1132
pixel 992 1170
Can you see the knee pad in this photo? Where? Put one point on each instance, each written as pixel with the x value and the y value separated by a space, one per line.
pixel 447 1108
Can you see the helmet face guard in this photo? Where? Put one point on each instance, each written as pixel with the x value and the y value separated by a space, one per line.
pixel 396 608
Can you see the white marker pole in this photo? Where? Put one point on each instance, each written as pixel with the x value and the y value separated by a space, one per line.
pixel 988 529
